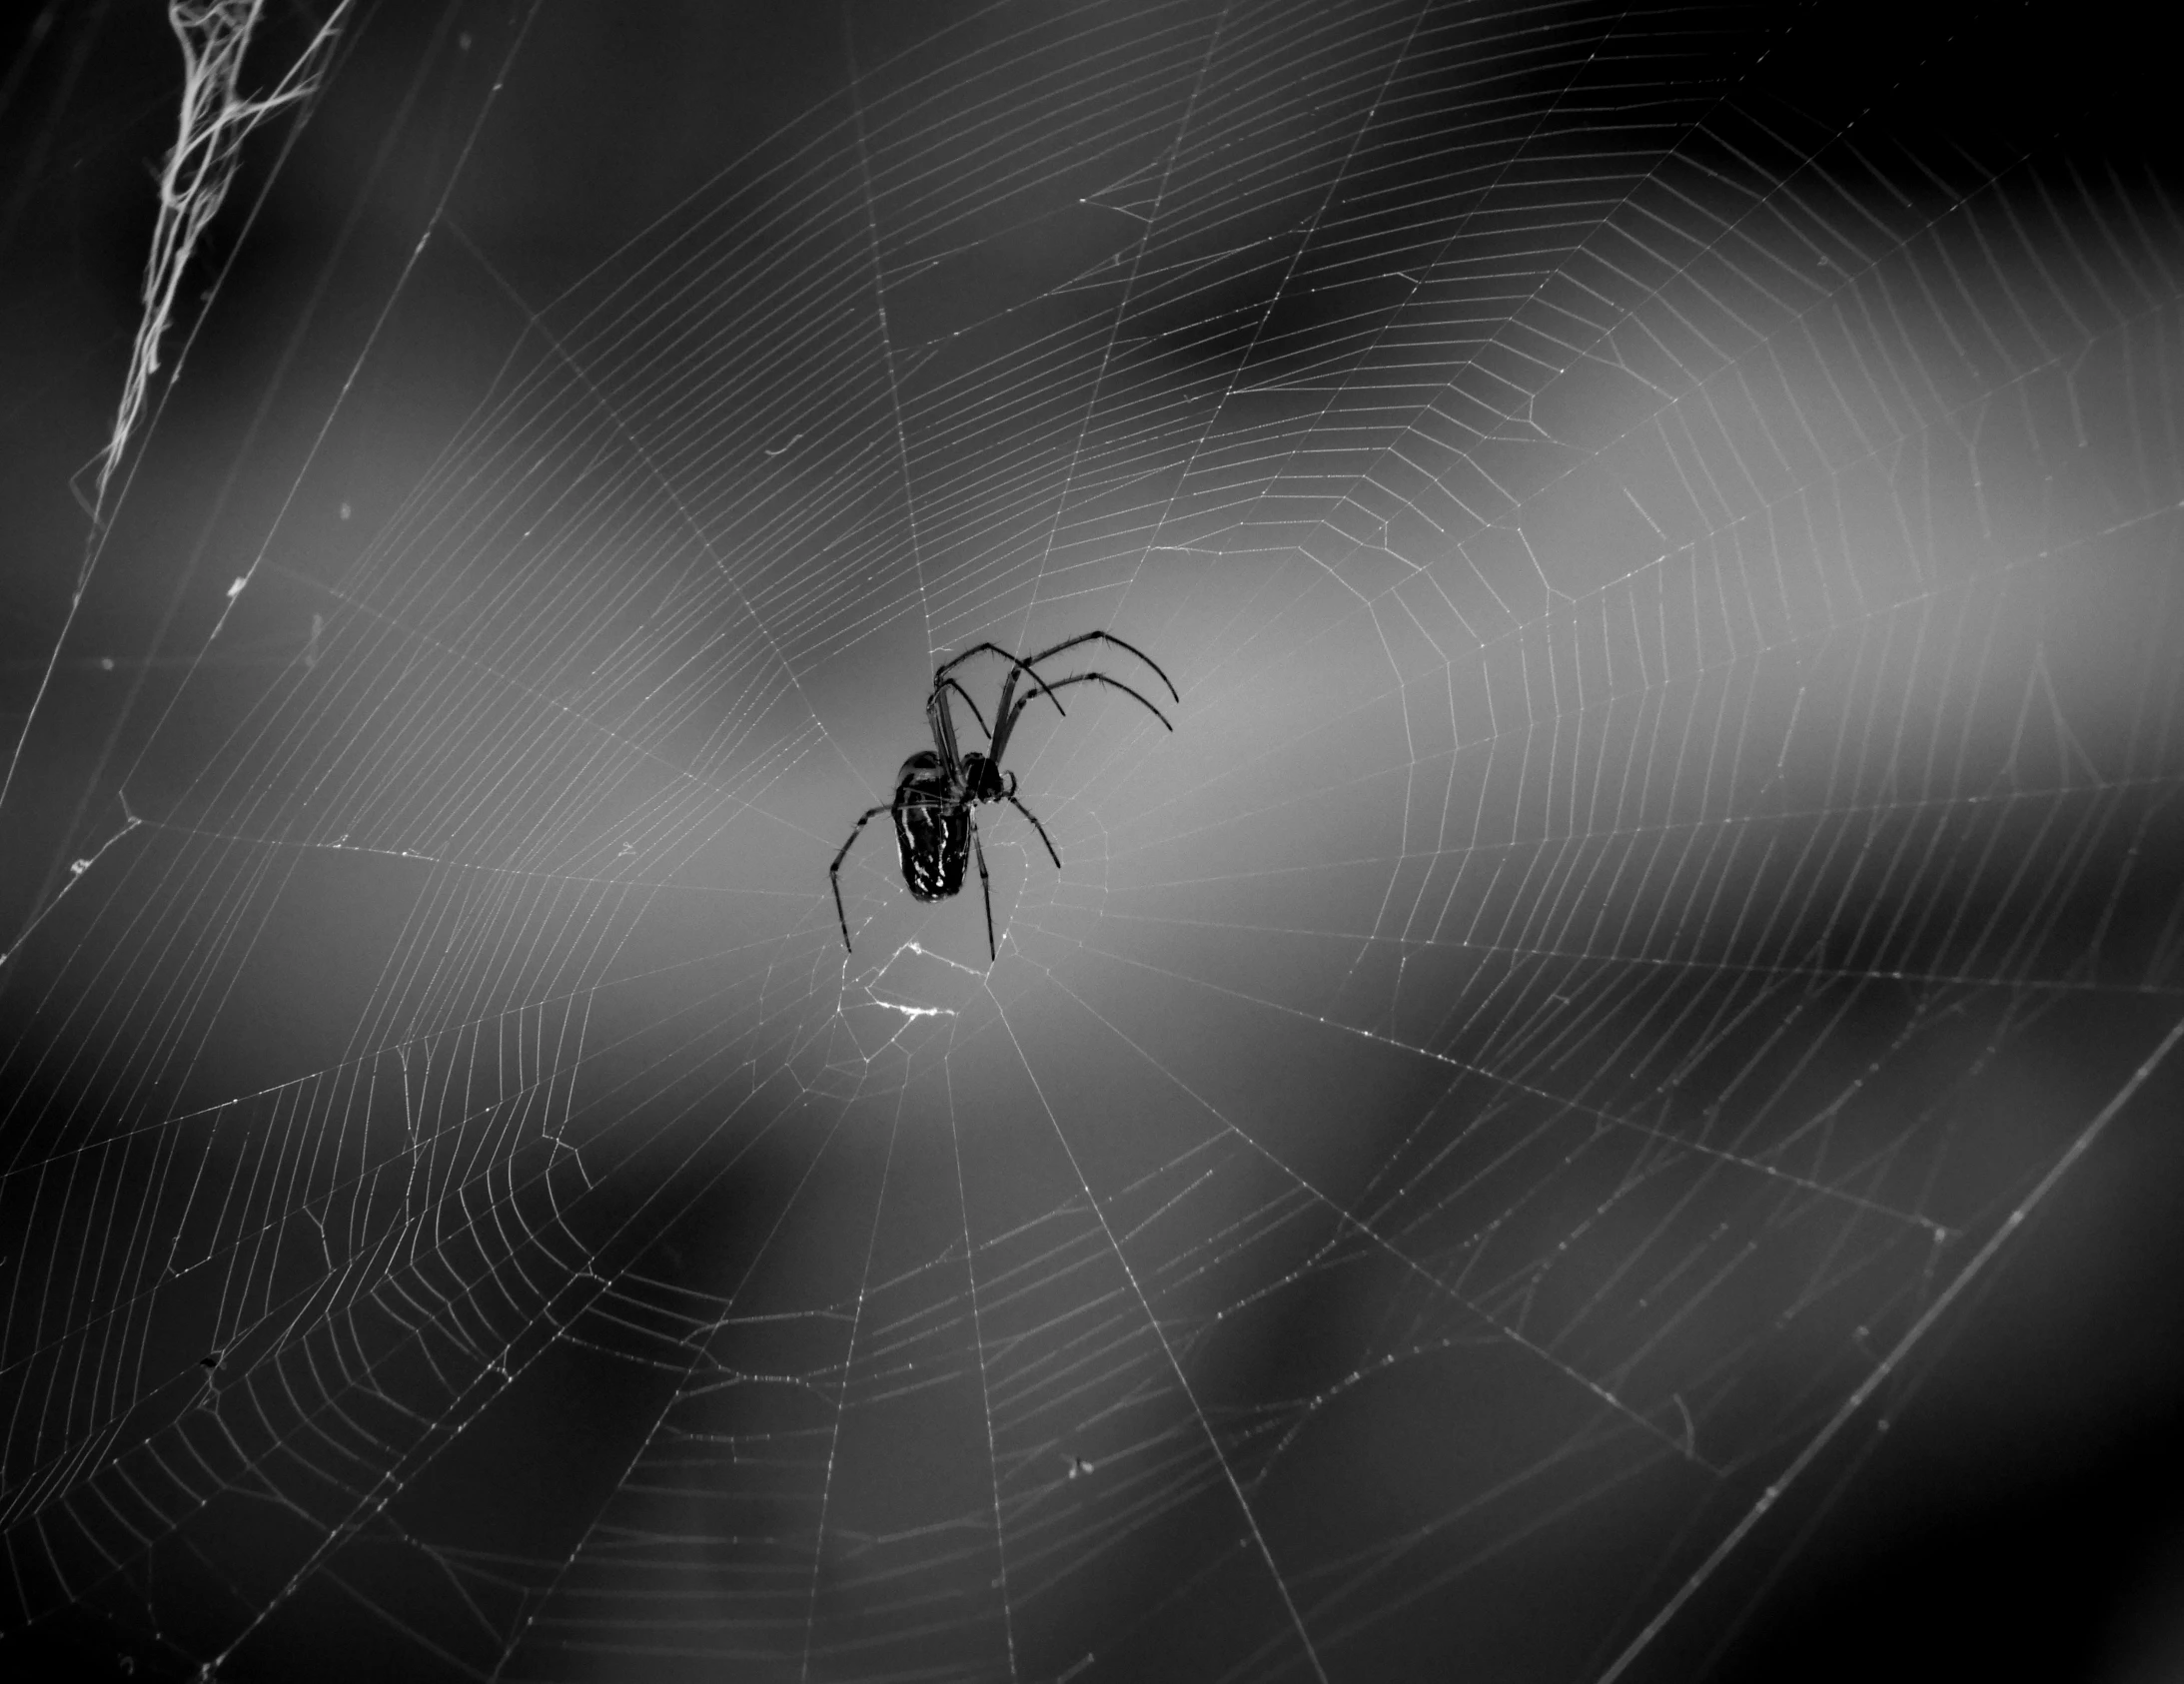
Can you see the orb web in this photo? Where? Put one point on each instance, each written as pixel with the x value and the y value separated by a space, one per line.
pixel 1666 854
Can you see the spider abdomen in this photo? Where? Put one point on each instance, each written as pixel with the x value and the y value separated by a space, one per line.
pixel 933 829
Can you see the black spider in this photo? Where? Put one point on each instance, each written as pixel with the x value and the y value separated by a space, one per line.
pixel 937 788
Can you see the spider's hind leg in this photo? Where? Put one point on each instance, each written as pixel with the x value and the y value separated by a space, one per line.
pixel 1036 825
pixel 985 886
pixel 834 871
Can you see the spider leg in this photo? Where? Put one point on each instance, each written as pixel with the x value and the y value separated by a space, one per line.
pixel 1035 824
pixel 1113 683
pixel 941 720
pixel 1105 637
pixel 1016 663
pixel 834 871
pixel 951 684
pixel 985 886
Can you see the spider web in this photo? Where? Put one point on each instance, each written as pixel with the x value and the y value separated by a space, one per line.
pixel 1666 854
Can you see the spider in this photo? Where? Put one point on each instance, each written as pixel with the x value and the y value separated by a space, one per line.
pixel 937 788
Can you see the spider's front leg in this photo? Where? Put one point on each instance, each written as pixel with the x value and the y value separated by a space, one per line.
pixel 950 684
pixel 942 722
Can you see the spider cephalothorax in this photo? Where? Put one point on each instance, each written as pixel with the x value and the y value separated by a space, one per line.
pixel 936 832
